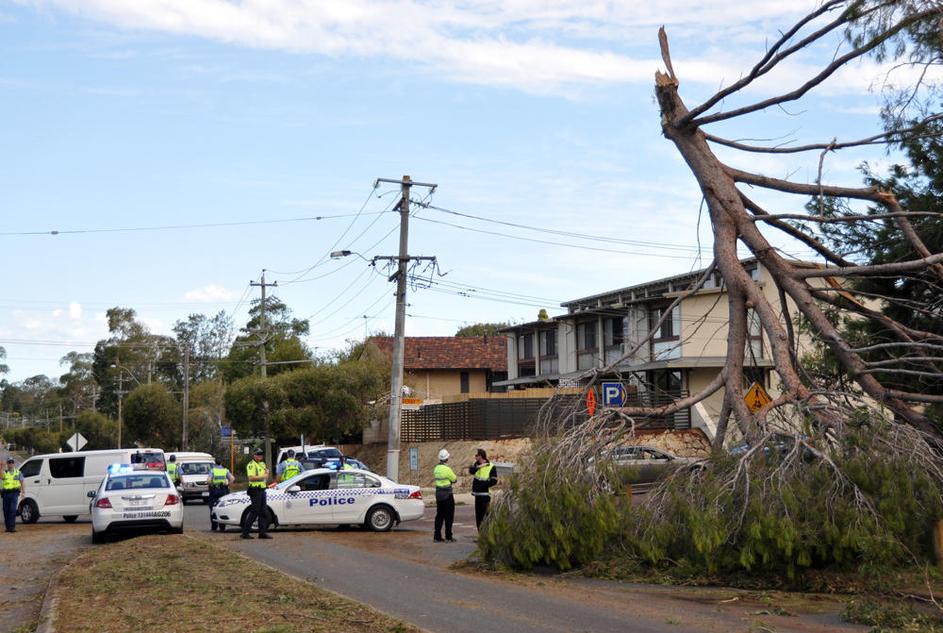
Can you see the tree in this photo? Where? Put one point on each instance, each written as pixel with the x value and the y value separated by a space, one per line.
pixel 481 329
pixel 152 416
pixel 3 367
pixel 206 416
pixel 208 340
pixel 281 338
pixel 100 431
pixel 884 29
pixel 78 386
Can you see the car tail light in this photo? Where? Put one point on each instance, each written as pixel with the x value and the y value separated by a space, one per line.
pixel 172 500
pixel 416 495
pixel 103 503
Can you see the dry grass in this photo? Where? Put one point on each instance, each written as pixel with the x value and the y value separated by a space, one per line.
pixel 156 582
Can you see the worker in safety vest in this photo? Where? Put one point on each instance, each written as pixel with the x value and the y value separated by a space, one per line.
pixel 257 472
pixel 485 476
pixel 220 478
pixel 13 485
pixel 444 500
pixel 173 470
pixel 289 468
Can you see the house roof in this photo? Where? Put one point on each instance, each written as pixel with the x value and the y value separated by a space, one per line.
pixel 450 352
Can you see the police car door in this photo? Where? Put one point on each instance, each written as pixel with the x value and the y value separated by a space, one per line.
pixel 356 492
pixel 310 505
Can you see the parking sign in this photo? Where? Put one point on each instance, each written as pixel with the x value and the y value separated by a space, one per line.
pixel 613 394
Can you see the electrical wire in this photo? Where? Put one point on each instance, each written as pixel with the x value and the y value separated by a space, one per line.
pixel 176 227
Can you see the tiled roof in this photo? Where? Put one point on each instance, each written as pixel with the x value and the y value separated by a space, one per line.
pixel 450 352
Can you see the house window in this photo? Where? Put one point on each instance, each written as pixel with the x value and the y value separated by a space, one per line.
pixel 525 355
pixel 586 348
pixel 547 344
pixel 463 380
pixel 670 328
pixel 613 332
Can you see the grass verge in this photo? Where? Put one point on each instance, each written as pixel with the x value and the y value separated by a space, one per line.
pixel 152 581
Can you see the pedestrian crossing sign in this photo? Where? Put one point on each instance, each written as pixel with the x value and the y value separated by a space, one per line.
pixel 756 397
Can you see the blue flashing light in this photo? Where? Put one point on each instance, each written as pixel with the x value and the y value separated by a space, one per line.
pixel 120 469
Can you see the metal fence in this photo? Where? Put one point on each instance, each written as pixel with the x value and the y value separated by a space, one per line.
pixel 492 419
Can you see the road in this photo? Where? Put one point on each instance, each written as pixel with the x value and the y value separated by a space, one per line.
pixel 403 573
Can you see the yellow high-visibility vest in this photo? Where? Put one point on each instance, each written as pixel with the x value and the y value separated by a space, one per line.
pixel 256 469
pixel 11 480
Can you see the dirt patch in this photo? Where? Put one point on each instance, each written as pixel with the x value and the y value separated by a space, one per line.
pixel 125 586
pixel 30 557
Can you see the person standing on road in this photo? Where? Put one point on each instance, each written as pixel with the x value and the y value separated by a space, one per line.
pixel 173 470
pixel 257 472
pixel 220 480
pixel 289 468
pixel 13 485
pixel 444 499
pixel 485 476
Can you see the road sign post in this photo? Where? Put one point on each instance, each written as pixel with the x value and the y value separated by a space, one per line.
pixel 76 442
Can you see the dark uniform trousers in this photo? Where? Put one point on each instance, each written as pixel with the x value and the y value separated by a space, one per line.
pixel 257 509
pixel 444 513
pixel 481 508
pixel 10 498
pixel 216 493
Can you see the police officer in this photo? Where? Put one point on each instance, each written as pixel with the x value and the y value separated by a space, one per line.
pixel 444 500
pixel 485 476
pixel 220 479
pixel 13 485
pixel 173 470
pixel 257 472
pixel 289 468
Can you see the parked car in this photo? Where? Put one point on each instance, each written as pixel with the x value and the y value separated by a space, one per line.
pixel 326 497
pixel 135 499
pixel 646 464
pixel 309 452
pixel 778 443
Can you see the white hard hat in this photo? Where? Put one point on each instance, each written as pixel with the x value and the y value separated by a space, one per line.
pixel 444 455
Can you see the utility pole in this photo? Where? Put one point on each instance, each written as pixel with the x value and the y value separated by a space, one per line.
pixel 399 338
pixel 186 394
pixel 60 418
pixel 120 397
pixel 263 329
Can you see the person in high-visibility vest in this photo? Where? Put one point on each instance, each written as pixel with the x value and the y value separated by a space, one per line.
pixel 444 500
pixel 173 470
pixel 485 476
pixel 220 479
pixel 13 486
pixel 289 468
pixel 257 472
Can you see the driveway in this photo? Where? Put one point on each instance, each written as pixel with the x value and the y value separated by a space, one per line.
pixel 405 574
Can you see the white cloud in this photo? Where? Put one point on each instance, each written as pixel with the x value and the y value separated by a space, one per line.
pixel 210 293
pixel 530 44
pixel 75 311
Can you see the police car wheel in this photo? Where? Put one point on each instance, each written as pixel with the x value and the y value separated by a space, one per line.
pixel 380 519
pixel 221 527
pixel 29 511
pixel 97 538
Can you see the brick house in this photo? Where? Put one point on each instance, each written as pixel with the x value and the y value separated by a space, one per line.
pixel 437 366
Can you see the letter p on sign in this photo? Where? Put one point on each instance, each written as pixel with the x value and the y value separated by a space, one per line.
pixel 613 394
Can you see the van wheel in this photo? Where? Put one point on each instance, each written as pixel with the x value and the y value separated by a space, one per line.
pixel 380 519
pixel 29 511
pixel 70 518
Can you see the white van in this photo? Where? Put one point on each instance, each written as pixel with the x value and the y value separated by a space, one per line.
pixel 194 471
pixel 58 484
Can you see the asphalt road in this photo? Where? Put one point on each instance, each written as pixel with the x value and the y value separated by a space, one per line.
pixel 403 573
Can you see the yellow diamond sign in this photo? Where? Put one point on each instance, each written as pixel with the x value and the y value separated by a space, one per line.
pixel 756 397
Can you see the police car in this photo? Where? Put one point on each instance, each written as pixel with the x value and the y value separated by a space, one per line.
pixel 129 498
pixel 325 497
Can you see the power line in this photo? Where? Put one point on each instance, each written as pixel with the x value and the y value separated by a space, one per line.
pixel 175 227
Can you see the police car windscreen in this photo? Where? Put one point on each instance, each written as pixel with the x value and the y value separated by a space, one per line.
pixel 195 468
pixel 136 482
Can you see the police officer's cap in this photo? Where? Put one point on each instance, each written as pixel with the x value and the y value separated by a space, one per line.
pixel 258 451
pixel 10 460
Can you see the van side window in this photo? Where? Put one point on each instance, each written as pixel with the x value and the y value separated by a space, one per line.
pixel 31 468
pixel 64 467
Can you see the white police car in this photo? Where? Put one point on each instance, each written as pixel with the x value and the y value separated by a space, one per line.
pixel 130 499
pixel 325 497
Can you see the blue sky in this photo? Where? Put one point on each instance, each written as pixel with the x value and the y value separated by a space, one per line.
pixel 177 112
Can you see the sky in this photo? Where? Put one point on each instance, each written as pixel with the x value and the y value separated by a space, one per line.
pixel 179 147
